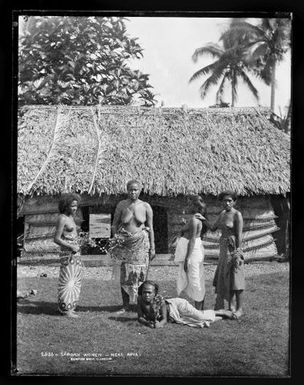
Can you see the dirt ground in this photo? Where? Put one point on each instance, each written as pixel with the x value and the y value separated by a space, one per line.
pixel 157 273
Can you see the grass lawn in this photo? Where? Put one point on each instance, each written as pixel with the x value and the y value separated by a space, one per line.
pixel 101 343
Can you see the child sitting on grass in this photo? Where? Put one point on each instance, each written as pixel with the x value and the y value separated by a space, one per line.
pixel 154 311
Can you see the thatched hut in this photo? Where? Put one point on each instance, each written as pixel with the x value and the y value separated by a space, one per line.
pixel 174 152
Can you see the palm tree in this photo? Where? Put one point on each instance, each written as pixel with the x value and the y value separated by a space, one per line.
pixel 229 66
pixel 266 44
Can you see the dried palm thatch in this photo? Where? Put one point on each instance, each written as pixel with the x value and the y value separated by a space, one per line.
pixel 171 151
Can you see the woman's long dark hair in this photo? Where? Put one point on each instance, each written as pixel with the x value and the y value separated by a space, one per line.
pixel 148 282
pixel 66 200
pixel 204 226
pixel 230 193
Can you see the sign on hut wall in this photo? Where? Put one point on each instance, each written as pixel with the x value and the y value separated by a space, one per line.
pixel 100 225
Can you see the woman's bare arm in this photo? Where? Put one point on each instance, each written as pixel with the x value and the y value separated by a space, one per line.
pixel 207 223
pixel 238 223
pixel 149 222
pixel 116 218
pixel 163 321
pixel 192 230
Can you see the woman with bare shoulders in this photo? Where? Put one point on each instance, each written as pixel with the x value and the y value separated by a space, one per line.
pixel 70 263
pixel 189 254
pixel 133 233
pixel 229 278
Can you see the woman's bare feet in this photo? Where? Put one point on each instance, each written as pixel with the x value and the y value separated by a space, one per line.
pixel 123 310
pixel 224 313
pixel 237 314
pixel 70 314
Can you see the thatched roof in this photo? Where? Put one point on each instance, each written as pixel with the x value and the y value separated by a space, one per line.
pixel 170 150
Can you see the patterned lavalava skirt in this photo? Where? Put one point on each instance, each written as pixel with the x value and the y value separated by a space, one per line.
pixel 228 277
pixel 70 276
pixel 132 252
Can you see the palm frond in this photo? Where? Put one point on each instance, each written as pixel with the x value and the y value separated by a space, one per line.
pixel 266 72
pixel 237 20
pixel 260 50
pixel 204 88
pixel 268 24
pixel 202 71
pixel 249 84
pixel 210 49
pixel 234 84
pixel 235 55
pixel 249 29
pixel 220 91
pixel 234 37
pixel 256 55
pixel 284 29
pixel 212 80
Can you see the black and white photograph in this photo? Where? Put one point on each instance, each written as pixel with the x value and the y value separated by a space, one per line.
pixel 153 191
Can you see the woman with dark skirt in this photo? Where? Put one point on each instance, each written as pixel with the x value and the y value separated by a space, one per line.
pixel 229 278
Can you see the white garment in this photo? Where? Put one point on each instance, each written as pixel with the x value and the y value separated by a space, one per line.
pixel 182 312
pixel 192 282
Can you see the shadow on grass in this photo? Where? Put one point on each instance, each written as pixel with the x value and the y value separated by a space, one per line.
pixel 42 307
pixel 124 319
pixel 108 308
pixel 50 308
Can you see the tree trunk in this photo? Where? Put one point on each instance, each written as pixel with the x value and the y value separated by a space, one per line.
pixel 287 234
pixel 232 97
pixel 273 84
pixel 288 117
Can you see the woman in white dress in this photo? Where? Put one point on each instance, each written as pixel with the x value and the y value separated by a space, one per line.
pixel 189 254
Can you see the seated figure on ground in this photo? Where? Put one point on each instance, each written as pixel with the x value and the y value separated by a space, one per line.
pixel 154 311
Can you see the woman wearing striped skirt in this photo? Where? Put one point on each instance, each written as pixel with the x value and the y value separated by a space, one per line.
pixel 70 274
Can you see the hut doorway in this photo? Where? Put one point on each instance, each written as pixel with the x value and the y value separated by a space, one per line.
pixel 160 225
pixel 87 211
pixel 20 235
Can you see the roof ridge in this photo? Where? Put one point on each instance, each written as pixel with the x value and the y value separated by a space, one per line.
pixel 97 152
pixel 152 109
pixel 43 167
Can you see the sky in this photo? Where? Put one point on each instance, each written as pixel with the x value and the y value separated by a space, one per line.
pixel 169 43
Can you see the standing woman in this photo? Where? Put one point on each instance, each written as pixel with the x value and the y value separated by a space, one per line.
pixel 189 254
pixel 229 278
pixel 133 234
pixel 70 263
